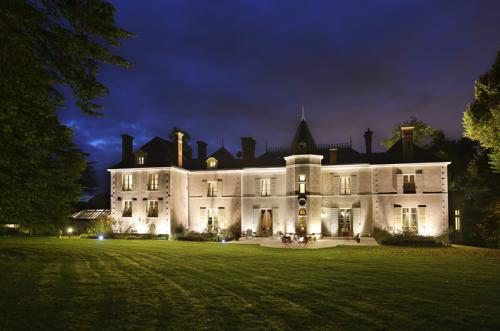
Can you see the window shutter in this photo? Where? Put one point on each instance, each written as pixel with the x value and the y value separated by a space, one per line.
pixel 419 181
pixel 222 217
pixel 397 219
pixel 336 185
pixel 421 218
pixel 256 220
pixel 204 185
pixel 354 184
pixel 257 187
pixel 273 186
pixel 219 187
pixel 202 222
pixel 399 183
pixel 334 228
pixel 356 219
pixel 276 220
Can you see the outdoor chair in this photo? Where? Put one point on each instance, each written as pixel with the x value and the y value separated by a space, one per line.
pixel 286 241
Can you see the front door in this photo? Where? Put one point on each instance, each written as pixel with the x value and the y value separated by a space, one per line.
pixel 266 223
pixel 345 222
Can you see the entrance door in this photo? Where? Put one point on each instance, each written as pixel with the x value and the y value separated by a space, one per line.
pixel 345 222
pixel 266 222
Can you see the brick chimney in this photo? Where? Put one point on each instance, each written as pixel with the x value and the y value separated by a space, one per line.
pixel 407 139
pixel 248 147
pixel 179 149
pixel 127 148
pixel 333 155
pixel 368 141
pixel 202 150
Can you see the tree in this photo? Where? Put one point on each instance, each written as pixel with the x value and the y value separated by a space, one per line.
pixel 481 120
pixel 423 133
pixel 48 49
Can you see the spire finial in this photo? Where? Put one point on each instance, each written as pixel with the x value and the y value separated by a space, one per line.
pixel 222 141
pixel 303 114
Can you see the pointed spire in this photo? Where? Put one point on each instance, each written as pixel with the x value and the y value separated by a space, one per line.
pixel 222 141
pixel 303 118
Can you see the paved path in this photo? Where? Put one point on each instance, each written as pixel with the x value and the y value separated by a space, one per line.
pixel 322 243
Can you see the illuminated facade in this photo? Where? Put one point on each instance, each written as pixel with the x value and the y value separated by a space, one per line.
pixel 325 190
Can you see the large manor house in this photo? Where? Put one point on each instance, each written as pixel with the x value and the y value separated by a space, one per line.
pixel 306 188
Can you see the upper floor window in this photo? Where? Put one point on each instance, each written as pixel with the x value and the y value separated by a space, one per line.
pixel 153 208
pixel 211 162
pixel 212 189
pixel 127 182
pixel 153 182
pixel 140 159
pixel 265 187
pixel 345 185
pixel 127 208
pixel 302 184
pixel 409 183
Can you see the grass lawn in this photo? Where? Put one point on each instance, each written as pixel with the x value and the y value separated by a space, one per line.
pixel 48 283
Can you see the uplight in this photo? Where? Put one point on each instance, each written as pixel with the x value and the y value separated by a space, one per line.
pixel 101 237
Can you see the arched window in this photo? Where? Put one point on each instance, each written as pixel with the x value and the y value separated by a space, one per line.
pixel 211 162
pixel 302 211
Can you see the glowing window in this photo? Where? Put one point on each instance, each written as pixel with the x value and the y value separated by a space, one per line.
pixel 302 211
pixel 140 159
pixel 153 182
pixel 265 187
pixel 345 185
pixel 127 182
pixel 302 178
pixel 212 162
pixel 302 188
pixel 458 226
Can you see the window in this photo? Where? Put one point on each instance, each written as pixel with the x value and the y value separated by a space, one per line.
pixel 127 208
pixel 345 185
pixel 140 159
pixel 213 218
pixel 127 182
pixel 302 184
pixel 153 208
pixel 265 187
pixel 153 182
pixel 212 162
pixel 409 183
pixel 410 220
pixel 302 211
pixel 457 220
pixel 212 189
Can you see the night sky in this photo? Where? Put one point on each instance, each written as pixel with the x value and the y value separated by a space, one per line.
pixel 244 68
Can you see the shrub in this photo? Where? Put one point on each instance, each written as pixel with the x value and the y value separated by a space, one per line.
pixel 381 235
pixel 8 231
pixel 103 225
pixel 411 240
pixel 196 236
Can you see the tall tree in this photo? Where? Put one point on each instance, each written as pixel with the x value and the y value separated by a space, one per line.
pixel 48 47
pixel 482 118
pixel 423 133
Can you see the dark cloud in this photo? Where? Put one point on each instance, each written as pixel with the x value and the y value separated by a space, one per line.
pixel 237 68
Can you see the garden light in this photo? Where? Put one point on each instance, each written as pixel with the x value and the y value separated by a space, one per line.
pixel 101 237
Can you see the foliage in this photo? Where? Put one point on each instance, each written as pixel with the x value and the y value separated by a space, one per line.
pixel 424 134
pixel 196 236
pixel 384 237
pixel 49 49
pixel 481 120
pixel 103 225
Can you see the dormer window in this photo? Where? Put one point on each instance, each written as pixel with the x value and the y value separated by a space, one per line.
pixel 140 159
pixel 212 162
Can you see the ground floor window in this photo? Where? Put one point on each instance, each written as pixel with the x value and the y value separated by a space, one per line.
pixel 266 222
pixel 153 208
pixel 458 226
pixel 213 219
pixel 345 222
pixel 302 224
pixel 409 219
pixel 127 208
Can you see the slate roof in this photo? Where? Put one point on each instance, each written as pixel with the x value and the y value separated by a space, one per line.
pixel 163 153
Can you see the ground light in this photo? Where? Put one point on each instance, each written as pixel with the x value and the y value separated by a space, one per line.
pixel 70 231
pixel 101 237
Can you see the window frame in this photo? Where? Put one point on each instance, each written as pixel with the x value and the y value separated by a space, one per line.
pixel 345 185
pixel 127 208
pixel 153 208
pixel 153 181
pixel 265 187
pixel 211 188
pixel 127 185
pixel 409 187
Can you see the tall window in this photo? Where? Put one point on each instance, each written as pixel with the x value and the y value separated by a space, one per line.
pixel 153 182
pixel 345 185
pixel 127 208
pixel 302 184
pixel 410 220
pixel 212 221
pixel 153 208
pixel 458 226
pixel 127 182
pixel 265 187
pixel 212 189
pixel 409 183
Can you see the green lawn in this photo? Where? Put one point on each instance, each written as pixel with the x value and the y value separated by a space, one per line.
pixel 117 284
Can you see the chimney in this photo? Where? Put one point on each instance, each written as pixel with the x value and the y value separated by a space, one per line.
pixel 368 141
pixel 127 148
pixel 333 156
pixel 202 150
pixel 179 148
pixel 248 146
pixel 407 139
